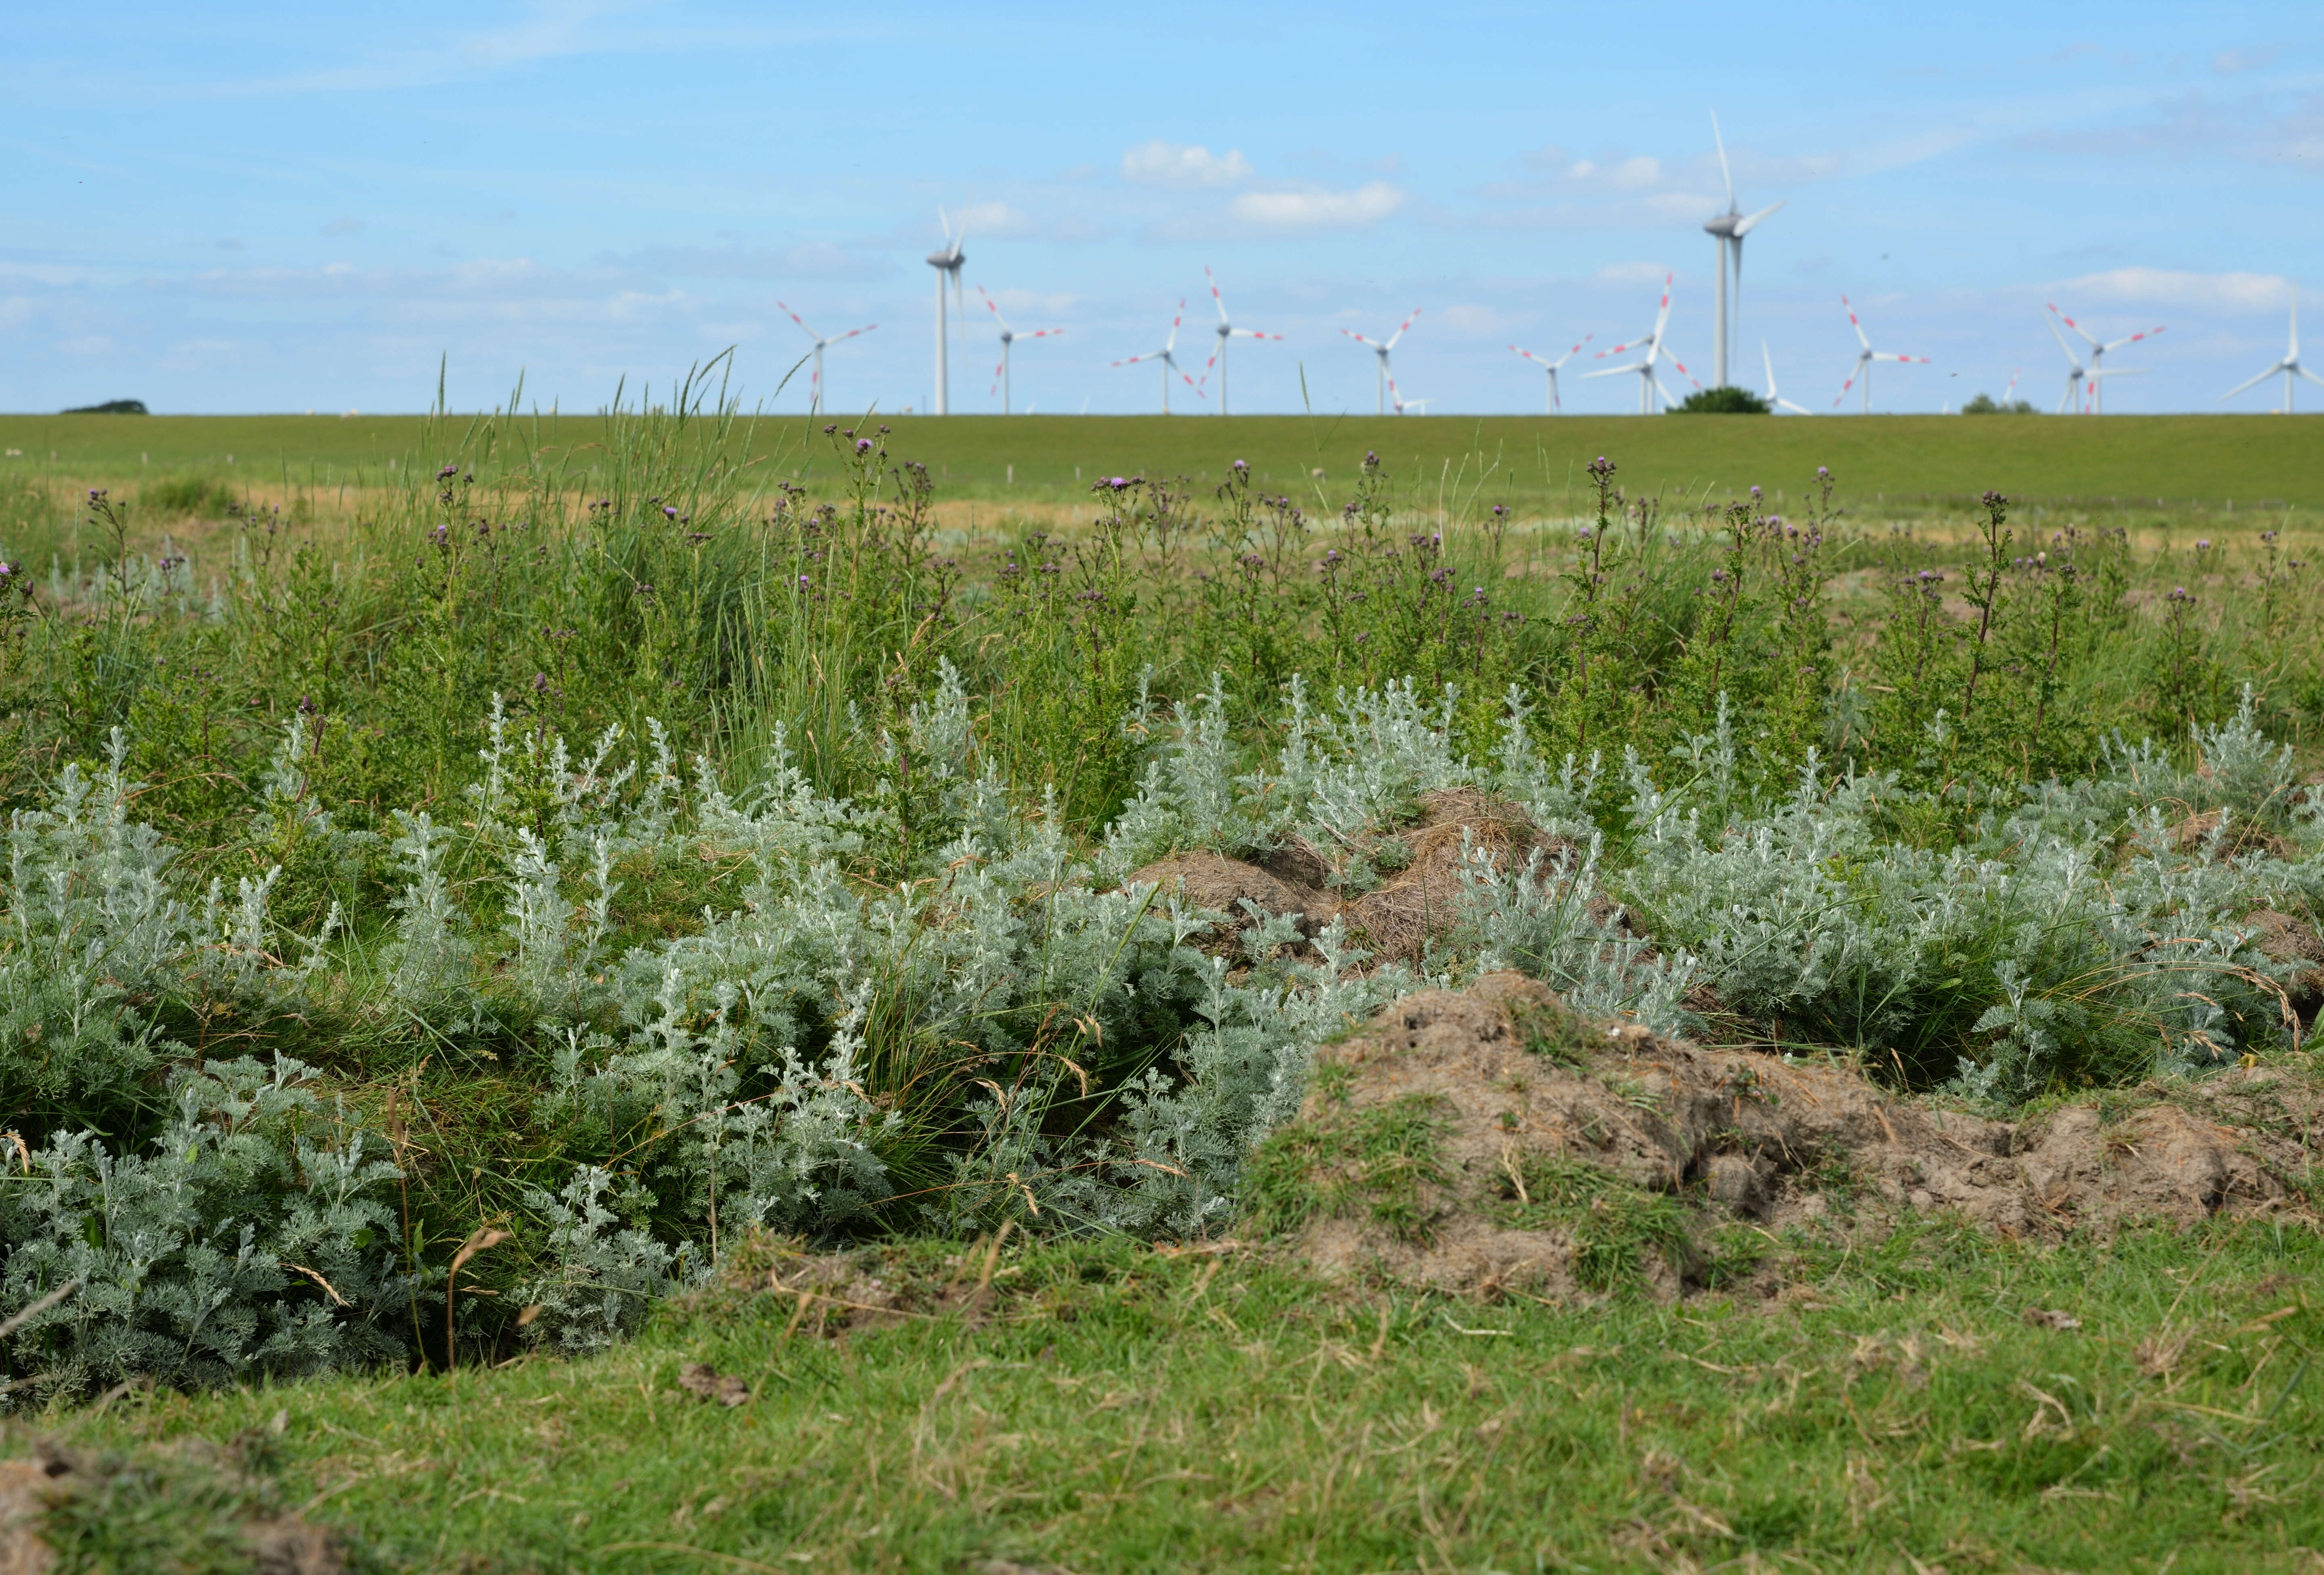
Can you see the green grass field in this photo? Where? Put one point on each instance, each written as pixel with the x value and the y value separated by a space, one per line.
pixel 2198 462
pixel 1114 1408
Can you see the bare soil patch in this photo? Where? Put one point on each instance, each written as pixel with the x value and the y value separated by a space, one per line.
pixel 1418 900
pixel 1486 1140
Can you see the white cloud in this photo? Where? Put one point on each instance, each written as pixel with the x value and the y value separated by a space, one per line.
pixel 2175 286
pixel 1482 319
pixel 1314 210
pixel 1159 163
pixel 993 218
pixel 1633 273
pixel 1635 173
pixel 2227 62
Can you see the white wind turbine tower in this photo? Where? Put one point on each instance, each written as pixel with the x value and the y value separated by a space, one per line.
pixel 1169 362
pixel 946 263
pixel 1226 331
pixel 2099 353
pixel 815 383
pixel 2290 365
pixel 1009 336
pixel 1381 349
pixel 1729 229
pixel 1774 399
pixel 1864 360
pixel 1550 367
pixel 1649 385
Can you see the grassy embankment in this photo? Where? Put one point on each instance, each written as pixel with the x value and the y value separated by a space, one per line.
pixel 345 671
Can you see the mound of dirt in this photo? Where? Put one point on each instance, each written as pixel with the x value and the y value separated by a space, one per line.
pixel 1486 1139
pixel 1212 880
pixel 2284 938
pixel 1418 899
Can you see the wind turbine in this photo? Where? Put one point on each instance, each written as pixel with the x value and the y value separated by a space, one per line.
pixel 1009 336
pixel 1865 358
pixel 2076 373
pixel 1550 367
pixel 1649 384
pixel 2098 354
pixel 1226 331
pixel 815 383
pixel 1729 229
pixel 1169 362
pixel 1380 349
pixel 1774 399
pixel 2290 365
pixel 946 263
pixel 1401 404
pixel 2011 391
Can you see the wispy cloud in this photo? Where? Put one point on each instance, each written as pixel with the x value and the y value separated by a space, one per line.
pixel 553 29
pixel 2268 128
pixel 1633 273
pixel 1317 210
pixel 1159 163
pixel 808 260
pixel 992 219
pixel 2179 288
pixel 2230 62
pixel 343 226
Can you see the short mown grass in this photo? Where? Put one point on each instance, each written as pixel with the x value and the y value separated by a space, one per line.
pixel 1939 1399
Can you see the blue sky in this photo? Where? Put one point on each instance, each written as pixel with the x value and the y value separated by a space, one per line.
pixel 238 207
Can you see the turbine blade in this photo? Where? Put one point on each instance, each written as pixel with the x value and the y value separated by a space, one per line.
pixel 1662 313
pixel 800 321
pixel 2253 381
pixel 2069 349
pixel 1769 362
pixel 1743 227
pixel 2077 328
pixel 1529 356
pixel 1857 325
pixel 1787 405
pixel 1614 371
pixel 1401 327
pixel 1217 300
pixel 1725 173
pixel 993 306
pixel 852 332
pixel 2303 372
